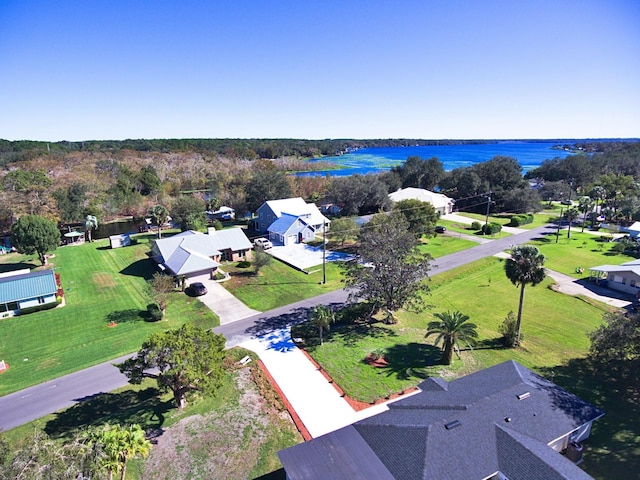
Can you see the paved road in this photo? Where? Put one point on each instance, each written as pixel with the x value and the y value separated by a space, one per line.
pixel 32 403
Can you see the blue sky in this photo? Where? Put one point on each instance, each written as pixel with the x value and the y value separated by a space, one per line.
pixel 79 70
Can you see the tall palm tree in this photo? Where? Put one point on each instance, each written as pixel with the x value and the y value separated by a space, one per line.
pixel 524 267
pixel 451 329
pixel 90 224
pixel 585 204
pixel 322 317
pixel 159 215
pixel 571 214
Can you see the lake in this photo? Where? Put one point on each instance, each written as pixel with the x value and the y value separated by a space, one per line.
pixel 372 160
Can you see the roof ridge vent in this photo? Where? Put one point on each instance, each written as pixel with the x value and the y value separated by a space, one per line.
pixel 452 424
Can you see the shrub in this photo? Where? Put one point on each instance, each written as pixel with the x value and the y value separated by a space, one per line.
pixel 508 331
pixel 522 219
pixel 476 225
pixel 243 264
pixel 219 276
pixel 491 228
pixel 155 313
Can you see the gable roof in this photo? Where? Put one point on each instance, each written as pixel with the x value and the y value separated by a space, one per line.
pixel 191 251
pixel 24 286
pixel 289 225
pixel 296 207
pixel 472 427
pixel 438 200
pixel 631 266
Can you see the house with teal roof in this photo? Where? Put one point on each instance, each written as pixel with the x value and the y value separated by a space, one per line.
pixel 22 291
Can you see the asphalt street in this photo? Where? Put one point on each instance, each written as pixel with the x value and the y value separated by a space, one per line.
pixel 35 402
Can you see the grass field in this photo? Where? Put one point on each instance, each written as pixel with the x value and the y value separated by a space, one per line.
pixel 548 215
pixel 465 228
pixel 100 284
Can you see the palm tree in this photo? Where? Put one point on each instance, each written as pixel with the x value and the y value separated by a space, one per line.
pixel 585 204
pixel 451 329
pixel 571 214
pixel 322 317
pixel 90 224
pixel 119 444
pixel 159 215
pixel 524 267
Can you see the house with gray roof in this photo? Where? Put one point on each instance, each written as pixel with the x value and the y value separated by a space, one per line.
pixel 623 278
pixel 442 204
pixel 22 289
pixel 502 423
pixel 290 229
pixel 272 210
pixel 193 253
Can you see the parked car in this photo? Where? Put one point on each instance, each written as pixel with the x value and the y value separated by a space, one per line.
pixel 263 243
pixel 198 289
pixel 440 229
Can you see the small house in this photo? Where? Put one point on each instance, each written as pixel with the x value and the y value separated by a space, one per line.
pixel 441 203
pixel 272 210
pixel 624 278
pixel 21 290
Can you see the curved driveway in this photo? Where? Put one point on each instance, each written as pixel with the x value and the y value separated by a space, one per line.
pixel 32 403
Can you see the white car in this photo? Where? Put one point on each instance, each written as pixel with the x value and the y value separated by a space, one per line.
pixel 263 243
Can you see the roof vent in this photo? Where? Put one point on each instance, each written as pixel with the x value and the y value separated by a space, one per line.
pixel 454 424
pixel 524 395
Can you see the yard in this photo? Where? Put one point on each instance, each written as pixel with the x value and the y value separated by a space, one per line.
pixel 555 327
pixel 100 285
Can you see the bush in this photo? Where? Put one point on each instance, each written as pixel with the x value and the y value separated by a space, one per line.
pixel 523 219
pixel 219 276
pixel 491 228
pixel 243 264
pixel 508 331
pixel 476 226
pixel 154 311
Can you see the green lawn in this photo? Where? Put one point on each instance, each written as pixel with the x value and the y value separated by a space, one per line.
pixel 442 245
pixel 539 219
pixel 100 284
pixel 466 229
pixel 555 327
pixel 581 250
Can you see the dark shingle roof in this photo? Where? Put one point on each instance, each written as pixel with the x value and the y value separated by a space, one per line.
pixel 500 419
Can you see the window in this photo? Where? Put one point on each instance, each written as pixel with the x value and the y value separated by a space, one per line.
pixel 40 300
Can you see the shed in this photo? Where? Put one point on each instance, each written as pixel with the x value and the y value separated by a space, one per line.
pixel 122 240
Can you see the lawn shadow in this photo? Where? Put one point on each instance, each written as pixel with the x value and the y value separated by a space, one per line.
pixel 611 450
pixel 128 315
pixel 489 344
pixel 141 268
pixel 143 407
pixel 10 267
pixel 407 361
pixel 266 325
pixel 350 334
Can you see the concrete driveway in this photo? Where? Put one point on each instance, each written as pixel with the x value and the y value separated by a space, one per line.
pixel 221 302
pixel 304 257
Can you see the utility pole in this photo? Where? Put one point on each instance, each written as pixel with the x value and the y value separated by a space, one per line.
pixel 324 252
pixel 486 220
pixel 559 223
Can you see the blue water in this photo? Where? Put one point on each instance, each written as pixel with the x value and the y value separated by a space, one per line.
pixel 372 160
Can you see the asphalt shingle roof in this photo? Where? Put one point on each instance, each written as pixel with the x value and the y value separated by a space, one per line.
pixel 501 419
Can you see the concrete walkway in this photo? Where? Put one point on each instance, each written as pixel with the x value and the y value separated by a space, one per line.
pixel 318 404
pixel 570 286
pixel 221 302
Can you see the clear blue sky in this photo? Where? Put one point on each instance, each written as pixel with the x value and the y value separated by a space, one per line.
pixel 116 69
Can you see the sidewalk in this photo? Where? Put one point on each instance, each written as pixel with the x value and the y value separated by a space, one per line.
pixel 318 404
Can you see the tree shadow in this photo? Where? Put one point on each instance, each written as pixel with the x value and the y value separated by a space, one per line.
pixel 128 315
pixel 143 407
pixel 141 268
pixel 407 361
pixel 266 325
pixel 10 267
pixel 612 447
pixel 489 344
pixel 351 334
